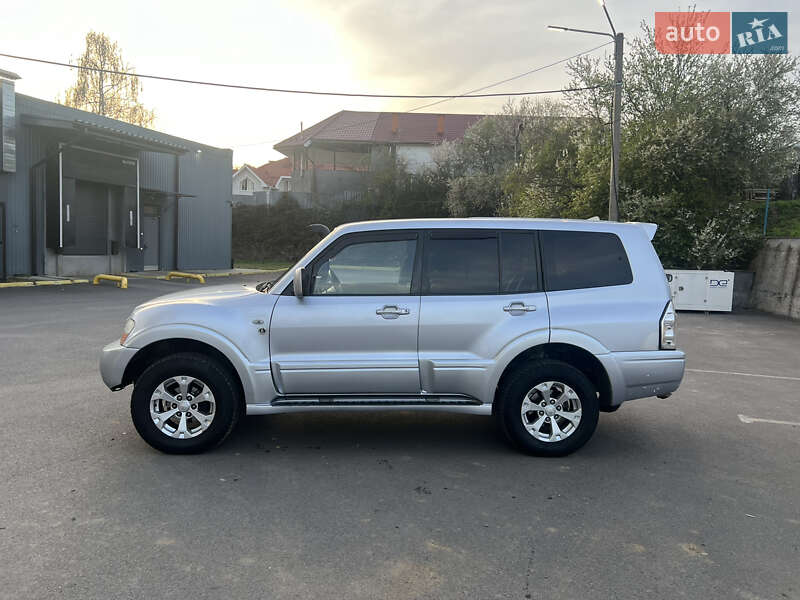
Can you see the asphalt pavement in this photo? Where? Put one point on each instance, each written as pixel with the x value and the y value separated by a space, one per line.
pixel 695 496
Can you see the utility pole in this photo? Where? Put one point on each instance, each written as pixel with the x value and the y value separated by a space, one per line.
pixel 613 186
pixel 616 110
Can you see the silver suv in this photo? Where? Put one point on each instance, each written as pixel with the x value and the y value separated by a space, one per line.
pixel 541 323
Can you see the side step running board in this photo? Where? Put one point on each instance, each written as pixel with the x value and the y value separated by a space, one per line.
pixel 375 401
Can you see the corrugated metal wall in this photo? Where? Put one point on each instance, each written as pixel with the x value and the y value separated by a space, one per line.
pixel 158 171
pixel 204 222
pixel 15 193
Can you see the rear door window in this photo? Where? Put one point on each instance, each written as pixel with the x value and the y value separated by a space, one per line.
pixel 456 264
pixel 583 259
pixel 520 265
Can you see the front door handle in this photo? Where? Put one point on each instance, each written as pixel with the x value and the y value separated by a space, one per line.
pixel 519 307
pixel 391 311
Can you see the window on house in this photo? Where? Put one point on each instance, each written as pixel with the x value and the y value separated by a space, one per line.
pixel 244 184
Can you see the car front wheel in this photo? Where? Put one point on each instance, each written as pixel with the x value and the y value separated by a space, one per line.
pixel 185 403
pixel 547 408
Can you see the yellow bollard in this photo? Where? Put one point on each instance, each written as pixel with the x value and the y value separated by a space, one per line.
pixel 122 282
pixel 181 274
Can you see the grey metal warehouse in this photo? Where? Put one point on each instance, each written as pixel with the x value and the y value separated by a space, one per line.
pixel 83 194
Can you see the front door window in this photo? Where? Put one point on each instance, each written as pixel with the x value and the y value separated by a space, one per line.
pixel 371 268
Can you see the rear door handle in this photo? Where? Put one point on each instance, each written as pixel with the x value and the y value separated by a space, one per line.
pixel 391 311
pixel 519 307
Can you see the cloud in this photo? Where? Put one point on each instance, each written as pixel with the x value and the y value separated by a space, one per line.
pixel 432 46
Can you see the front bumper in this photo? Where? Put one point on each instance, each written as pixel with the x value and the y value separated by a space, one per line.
pixel 643 374
pixel 113 361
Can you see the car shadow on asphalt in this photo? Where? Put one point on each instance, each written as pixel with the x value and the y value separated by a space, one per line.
pixel 442 433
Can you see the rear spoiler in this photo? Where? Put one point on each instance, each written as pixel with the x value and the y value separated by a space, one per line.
pixel 649 229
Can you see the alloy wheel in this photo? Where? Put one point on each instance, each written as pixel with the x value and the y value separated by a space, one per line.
pixel 551 411
pixel 182 407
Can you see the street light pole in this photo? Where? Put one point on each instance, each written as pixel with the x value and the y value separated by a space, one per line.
pixel 616 109
pixel 613 191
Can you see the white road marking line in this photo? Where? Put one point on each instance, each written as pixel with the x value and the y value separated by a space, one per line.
pixel 744 374
pixel 746 419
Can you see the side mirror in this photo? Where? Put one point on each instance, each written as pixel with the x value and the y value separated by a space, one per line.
pixel 298 283
pixel 319 228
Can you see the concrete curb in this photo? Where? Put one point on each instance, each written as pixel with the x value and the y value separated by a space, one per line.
pixel 235 272
pixel 143 276
pixel 248 272
pixel 36 283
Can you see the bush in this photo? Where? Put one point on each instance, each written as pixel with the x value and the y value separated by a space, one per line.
pixel 474 196
pixel 686 239
pixel 262 233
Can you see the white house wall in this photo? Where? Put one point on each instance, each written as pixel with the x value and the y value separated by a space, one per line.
pixel 417 158
pixel 237 182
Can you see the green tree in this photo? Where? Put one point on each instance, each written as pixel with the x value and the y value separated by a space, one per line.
pixel 542 181
pixel 475 166
pixel 395 193
pixel 112 94
pixel 702 127
pixel 697 131
pixel 506 162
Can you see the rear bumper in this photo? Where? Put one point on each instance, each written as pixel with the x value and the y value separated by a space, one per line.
pixel 113 361
pixel 643 374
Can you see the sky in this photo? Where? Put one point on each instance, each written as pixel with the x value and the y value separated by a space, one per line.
pixel 367 46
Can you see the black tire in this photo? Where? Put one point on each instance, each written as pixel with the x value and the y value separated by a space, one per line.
pixel 216 376
pixel 512 392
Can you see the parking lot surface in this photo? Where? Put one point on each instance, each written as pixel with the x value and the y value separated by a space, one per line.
pixel 695 496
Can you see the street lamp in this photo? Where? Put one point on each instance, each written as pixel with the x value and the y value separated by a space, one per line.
pixel 619 38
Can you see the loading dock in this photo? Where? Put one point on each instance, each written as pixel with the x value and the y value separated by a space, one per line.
pixel 85 194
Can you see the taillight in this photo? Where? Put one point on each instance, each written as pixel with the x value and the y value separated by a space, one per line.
pixel 667 328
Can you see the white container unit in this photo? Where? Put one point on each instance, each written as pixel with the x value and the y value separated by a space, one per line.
pixel 701 290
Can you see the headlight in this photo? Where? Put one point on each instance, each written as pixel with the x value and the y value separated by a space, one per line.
pixel 668 328
pixel 126 330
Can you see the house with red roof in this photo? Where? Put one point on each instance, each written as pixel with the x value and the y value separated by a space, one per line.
pixel 330 160
pixel 249 180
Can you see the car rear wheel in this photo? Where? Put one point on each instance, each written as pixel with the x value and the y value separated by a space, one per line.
pixel 547 408
pixel 185 403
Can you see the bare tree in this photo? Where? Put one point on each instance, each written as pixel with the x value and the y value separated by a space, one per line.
pixel 106 85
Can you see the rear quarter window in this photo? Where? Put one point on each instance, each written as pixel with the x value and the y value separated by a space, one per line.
pixel 583 259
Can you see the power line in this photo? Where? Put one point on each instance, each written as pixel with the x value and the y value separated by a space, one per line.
pixel 491 85
pixel 486 87
pixel 275 90
pixel 525 74
pixel 480 89
pixel 348 126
